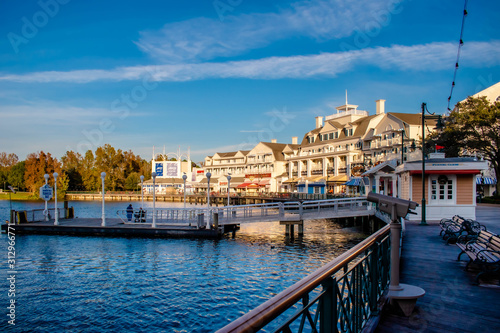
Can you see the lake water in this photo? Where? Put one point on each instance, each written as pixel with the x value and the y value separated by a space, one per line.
pixel 96 284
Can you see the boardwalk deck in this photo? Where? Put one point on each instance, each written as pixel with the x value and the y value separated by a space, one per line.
pixel 451 302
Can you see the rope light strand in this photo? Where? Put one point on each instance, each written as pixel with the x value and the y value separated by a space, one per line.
pixel 460 44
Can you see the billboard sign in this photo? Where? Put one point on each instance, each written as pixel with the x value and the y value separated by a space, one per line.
pixel 172 169
pixel 159 169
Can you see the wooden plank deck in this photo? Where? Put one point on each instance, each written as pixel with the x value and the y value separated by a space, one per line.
pixel 451 302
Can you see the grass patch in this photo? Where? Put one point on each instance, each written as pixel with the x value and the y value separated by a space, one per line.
pixel 17 196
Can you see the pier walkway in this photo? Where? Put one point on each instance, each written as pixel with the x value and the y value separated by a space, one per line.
pixel 197 222
pixel 451 302
pixel 264 212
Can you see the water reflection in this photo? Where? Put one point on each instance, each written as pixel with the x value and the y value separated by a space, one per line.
pixel 70 283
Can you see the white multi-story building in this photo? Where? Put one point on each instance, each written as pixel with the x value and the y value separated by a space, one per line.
pixel 341 146
pixel 347 143
pixel 258 170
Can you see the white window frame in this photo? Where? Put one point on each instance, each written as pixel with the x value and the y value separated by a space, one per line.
pixel 436 198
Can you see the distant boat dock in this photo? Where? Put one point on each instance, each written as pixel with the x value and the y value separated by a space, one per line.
pixel 200 222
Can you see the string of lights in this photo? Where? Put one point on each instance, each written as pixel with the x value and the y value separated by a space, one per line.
pixel 461 43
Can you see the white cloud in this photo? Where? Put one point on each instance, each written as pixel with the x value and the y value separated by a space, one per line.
pixel 48 114
pixel 208 38
pixel 426 57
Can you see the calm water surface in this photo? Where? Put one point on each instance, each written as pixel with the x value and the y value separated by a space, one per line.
pixel 93 284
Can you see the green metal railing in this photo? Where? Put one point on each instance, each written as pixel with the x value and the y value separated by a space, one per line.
pixel 338 297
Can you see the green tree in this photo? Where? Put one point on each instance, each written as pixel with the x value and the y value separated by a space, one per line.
pixel 7 161
pixel 16 175
pixel 72 166
pixel 132 181
pixel 90 178
pixel 111 161
pixel 473 128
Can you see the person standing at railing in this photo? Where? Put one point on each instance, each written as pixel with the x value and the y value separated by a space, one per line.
pixel 130 211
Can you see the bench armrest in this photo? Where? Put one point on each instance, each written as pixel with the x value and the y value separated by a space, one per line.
pixel 481 255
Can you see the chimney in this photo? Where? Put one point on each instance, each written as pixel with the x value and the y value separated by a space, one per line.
pixel 319 121
pixel 380 106
pixel 274 140
pixel 294 140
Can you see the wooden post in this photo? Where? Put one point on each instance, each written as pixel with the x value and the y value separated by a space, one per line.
pixel 301 228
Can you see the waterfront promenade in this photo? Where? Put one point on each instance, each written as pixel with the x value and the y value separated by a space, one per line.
pixel 451 302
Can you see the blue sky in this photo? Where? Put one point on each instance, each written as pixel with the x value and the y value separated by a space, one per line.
pixel 223 75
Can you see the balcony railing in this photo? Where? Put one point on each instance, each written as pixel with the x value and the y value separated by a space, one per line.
pixel 338 297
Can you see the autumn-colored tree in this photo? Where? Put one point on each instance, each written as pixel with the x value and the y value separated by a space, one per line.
pixel 36 166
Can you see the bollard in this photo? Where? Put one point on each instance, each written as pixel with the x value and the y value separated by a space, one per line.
pixel 201 217
pixel 216 221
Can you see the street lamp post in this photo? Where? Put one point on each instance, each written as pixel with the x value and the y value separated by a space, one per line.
pixel 184 177
pixel 103 223
pixel 142 191
pixel 10 202
pixel 439 125
pixel 46 211
pixel 208 199
pixel 228 189
pixel 154 199
pixel 403 135
pixel 56 213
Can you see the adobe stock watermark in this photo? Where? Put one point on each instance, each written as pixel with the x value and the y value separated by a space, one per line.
pixel 484 83
pixel 222 7
pixel 372 28
pixel 120 108
pixel 31 26
pixel 277 123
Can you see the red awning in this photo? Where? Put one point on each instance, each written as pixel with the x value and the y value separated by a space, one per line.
pixel 249 185
pixel 265 182
pixel 446 172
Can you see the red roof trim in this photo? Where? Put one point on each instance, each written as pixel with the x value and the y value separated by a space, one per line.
pixel 446 172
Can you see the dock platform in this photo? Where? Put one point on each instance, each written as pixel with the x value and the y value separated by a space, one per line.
pixel 451 303
pixel 114 227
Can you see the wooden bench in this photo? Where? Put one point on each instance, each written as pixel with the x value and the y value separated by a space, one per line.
pixel 483 251
pixel 457 226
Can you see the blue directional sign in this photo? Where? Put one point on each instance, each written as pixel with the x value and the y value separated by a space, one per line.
pixel 46 192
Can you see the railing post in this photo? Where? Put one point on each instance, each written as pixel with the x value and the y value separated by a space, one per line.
pixel 282 210
pixel 328 310
pixel 374 278
pixel 300 210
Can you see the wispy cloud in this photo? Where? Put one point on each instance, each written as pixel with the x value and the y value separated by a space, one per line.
pixel 252 131
pixel 426 57
pixel 44 114
pixel 208 38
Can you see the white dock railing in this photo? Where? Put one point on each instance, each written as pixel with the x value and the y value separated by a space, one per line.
pixel 278 211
